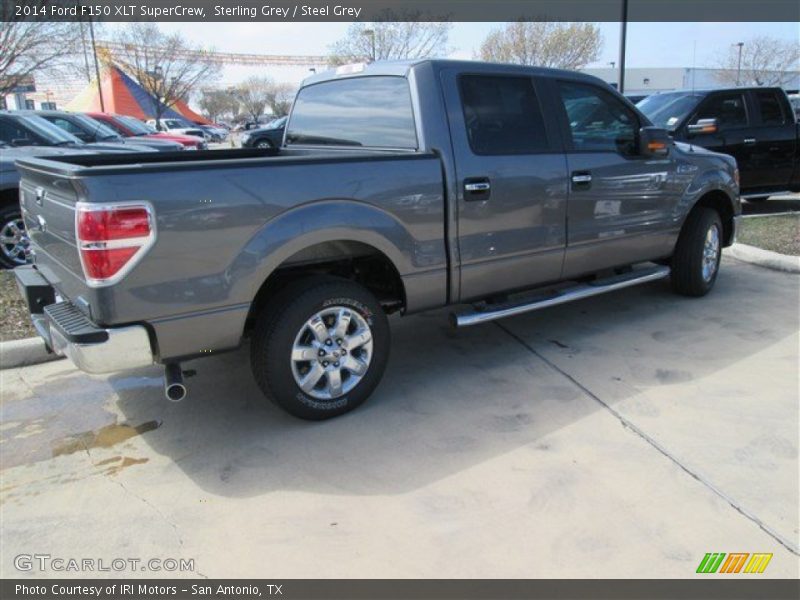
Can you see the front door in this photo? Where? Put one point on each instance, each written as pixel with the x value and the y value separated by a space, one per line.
pixel 621 205
pixel 512 183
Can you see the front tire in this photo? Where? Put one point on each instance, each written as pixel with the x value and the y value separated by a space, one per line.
pixel 695 264
pixel 320 347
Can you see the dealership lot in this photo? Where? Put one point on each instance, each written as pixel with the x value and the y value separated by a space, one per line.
pixel 621 436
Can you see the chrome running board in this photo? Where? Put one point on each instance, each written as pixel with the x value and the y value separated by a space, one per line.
pixel 484 313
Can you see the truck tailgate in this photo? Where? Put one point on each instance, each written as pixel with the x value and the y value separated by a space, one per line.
pixel 48 209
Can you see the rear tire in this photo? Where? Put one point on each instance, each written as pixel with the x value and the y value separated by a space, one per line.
pixel 13 239
pixel 320 347
pixel 695 264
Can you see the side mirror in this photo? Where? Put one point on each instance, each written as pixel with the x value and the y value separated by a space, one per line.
pixel 703 126
pixel 654 141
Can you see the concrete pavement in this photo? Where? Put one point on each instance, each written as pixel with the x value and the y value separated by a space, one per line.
pixel 621 436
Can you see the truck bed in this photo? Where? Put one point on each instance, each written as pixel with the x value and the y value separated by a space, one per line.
pixel 223 219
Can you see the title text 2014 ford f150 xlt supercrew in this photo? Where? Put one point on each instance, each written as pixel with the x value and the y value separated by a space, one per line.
pixel 399 187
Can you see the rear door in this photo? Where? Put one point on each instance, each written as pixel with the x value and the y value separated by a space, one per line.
pixel 621 205
pixel 773 140
pixel 511 182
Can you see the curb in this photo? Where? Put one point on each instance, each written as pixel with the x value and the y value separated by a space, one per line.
pixel 22 353
pixel 764 258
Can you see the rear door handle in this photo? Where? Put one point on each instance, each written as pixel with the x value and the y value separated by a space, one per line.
pixel 581 180
pixel 749 141
pixel 477 188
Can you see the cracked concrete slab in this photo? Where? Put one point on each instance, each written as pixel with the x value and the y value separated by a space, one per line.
pixel 477 457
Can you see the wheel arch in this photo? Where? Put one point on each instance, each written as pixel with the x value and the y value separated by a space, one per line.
pixel 723 204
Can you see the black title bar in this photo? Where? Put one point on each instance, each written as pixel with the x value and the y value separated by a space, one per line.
pixel 401 10
pixel 709 588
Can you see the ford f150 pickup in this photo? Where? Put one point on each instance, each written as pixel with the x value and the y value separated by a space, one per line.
pixel 756 126
pixel 399 187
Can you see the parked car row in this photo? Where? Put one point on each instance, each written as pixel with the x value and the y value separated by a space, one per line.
pixel 28 133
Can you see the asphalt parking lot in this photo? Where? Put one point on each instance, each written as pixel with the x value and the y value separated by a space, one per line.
pixel 621 436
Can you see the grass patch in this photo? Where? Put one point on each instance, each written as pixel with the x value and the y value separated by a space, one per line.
pixel 15 322
pixel 779 234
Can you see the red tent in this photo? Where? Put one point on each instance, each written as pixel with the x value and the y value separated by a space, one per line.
pixel 123 96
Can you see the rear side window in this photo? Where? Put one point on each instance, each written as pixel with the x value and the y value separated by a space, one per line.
pixel 771 108
pixel 363 111
pixel 728 109
pixel 502 115
pixel 11 132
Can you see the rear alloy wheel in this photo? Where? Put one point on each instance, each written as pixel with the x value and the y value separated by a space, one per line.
pixel 14 243
pixel 695 264
pixel 320 347
pixel 264 144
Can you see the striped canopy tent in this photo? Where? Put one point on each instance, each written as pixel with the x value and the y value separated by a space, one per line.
pixel 123 96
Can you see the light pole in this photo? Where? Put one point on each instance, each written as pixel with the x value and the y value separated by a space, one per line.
pixel 623 34
pixel 97 67
pixel 371 34
pixel 739 64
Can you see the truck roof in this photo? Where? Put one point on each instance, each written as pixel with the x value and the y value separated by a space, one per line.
pixel 403 67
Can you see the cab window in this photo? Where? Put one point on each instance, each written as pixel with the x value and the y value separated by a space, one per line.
pixel 729 110
pixel 598 122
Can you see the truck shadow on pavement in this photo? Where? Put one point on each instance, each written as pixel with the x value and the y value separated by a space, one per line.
pixel 453 399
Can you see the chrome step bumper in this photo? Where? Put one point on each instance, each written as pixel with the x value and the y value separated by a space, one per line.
pixel 482 314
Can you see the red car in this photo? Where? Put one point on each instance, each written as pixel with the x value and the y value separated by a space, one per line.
pixel 131 127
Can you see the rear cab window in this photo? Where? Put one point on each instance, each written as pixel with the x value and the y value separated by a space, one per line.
pixel 372 112
pixel 771 108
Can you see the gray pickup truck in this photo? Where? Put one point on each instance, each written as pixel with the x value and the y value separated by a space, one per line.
pixel 400 187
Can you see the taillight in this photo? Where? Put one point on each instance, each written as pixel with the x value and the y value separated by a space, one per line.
pixel 111 239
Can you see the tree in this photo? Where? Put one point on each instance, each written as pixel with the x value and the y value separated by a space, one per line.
pixel 280 99
pixel 765 61
pixel 544 44
pixel 167 66
pixel 34 47
pixel 218 103
pixel 394 36
pixel 253 94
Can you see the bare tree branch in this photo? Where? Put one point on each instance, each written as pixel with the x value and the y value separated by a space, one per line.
pixel 544 44
pixel 30 48
pixel 765 61
pixel 166 66
pixel 397 35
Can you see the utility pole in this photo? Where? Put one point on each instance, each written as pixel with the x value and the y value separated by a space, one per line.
pixel 739 64
pixel 97 67
pixel 371 34
pixel 622 39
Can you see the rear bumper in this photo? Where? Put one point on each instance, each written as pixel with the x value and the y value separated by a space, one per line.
pixel 68 332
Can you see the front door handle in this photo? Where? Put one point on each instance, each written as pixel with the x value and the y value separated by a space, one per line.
pixel 749 141
pixel 477 188
pixel 581 180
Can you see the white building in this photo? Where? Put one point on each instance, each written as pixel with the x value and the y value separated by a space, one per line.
pixel 664 79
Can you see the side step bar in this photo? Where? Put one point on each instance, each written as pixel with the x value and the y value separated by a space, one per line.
pixel 482 314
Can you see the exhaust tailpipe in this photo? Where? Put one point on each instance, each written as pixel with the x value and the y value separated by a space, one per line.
pixel 174 389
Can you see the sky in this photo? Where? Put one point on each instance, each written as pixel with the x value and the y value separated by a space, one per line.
pixel 649 44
